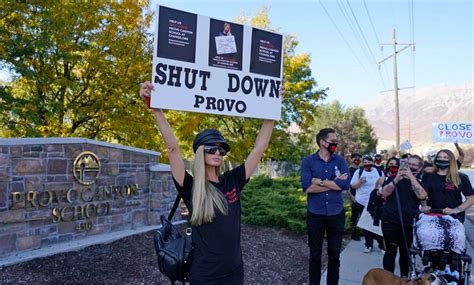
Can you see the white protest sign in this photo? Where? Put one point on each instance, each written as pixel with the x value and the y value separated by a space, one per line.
pixel 366 222
pixel 453 132
pixel 225 45
pixel 206 65
pixel 405 146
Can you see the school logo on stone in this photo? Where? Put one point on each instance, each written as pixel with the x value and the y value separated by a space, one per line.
pixel 86 168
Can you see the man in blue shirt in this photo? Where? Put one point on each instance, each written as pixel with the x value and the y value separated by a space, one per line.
pixel 323 176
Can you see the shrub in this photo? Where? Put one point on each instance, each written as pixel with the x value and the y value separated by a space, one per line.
pixel 278 203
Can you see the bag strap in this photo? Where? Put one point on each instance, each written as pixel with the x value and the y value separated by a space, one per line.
pixel 173 210
pixel 175 206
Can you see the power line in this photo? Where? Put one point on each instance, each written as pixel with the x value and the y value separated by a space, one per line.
pixel 366 43
pixel 371 23
pixel 378 42
pixel 344 12
pixel 362 33
pixel 342 36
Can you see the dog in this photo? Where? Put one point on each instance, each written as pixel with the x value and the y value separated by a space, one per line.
pixel 378 276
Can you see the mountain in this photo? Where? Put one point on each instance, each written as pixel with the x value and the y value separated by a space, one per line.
pixel 418 110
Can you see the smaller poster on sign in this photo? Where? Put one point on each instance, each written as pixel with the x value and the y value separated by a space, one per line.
pixel 266 53
pixel 177 34
pixel 453 132
pixel 225 44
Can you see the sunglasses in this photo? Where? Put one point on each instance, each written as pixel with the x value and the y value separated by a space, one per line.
pixel 212 149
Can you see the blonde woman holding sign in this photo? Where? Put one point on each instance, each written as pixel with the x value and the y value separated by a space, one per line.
pixel 212 198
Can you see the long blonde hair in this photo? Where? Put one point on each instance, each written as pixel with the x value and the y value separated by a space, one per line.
pixel 206 198
pixel 452 175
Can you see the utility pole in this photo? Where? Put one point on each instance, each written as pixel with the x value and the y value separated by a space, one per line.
pixel 395 82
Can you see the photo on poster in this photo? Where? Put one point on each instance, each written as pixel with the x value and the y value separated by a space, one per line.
pixel 266 53
pixel 176 35
pixel 225 44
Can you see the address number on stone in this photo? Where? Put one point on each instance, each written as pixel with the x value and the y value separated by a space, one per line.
pixel 84 227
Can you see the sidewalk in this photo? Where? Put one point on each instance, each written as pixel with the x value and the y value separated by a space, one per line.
pixel 355 263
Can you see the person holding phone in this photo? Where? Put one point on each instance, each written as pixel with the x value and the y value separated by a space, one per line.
pixel 409 190
pixel 212 198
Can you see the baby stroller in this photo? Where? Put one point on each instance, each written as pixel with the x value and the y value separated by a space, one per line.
pixel 440 241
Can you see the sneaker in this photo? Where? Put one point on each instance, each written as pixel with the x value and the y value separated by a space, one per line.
pixel 367 249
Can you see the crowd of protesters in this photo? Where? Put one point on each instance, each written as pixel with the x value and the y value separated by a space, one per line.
pixel 380 188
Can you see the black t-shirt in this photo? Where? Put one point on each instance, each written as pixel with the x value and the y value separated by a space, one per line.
pixel 442 194
pixel 409 203
pixel 217 252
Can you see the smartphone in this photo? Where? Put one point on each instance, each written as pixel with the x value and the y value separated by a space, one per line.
pixel 403 164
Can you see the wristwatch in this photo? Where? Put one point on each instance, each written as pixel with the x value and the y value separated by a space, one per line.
pixel 321 182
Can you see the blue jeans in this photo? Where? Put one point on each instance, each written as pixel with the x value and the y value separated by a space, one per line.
pixel 334 227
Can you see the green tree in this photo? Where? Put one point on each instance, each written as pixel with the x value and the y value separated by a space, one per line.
pixel 77 66
pixel 355 134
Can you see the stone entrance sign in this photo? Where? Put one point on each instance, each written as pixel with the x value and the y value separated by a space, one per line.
pixel 59 190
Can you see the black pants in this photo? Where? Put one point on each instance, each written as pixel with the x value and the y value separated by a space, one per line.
pixel 354 216
pixel 394 241
pixel 369 236
pixel 334 227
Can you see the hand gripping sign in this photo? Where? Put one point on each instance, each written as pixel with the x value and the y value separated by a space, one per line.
pixel 211 66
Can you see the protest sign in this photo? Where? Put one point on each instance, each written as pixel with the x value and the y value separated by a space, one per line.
pixel 453 132
pixel 405 146
pixel 212 66
pixel 366 222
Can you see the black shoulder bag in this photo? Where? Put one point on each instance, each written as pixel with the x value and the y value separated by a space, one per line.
pixel 173 249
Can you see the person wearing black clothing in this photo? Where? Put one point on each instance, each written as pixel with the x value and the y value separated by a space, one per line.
pixel 355 162
pixel 445 185
pixel 409 190
pixel 212 199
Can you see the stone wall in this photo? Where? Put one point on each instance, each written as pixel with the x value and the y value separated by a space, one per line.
pixel 42 201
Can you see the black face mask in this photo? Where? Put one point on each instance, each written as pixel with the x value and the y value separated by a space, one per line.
pixel 414 171
pixel 357 161
pixel 442 164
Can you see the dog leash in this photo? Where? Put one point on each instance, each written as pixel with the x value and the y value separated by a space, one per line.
pixel 412 273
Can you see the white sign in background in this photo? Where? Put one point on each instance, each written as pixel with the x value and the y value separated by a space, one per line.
pixel 247 101
pixel 453 132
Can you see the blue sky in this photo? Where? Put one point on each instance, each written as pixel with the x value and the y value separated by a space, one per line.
pixel 442 30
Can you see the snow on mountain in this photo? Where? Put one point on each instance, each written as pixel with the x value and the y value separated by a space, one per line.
pixel 418 110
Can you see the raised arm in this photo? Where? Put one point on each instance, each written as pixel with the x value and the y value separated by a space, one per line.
pixel 461 153
pixel 261 144
pixel 174 153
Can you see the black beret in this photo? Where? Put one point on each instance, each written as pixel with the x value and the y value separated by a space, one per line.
pixel 209 136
